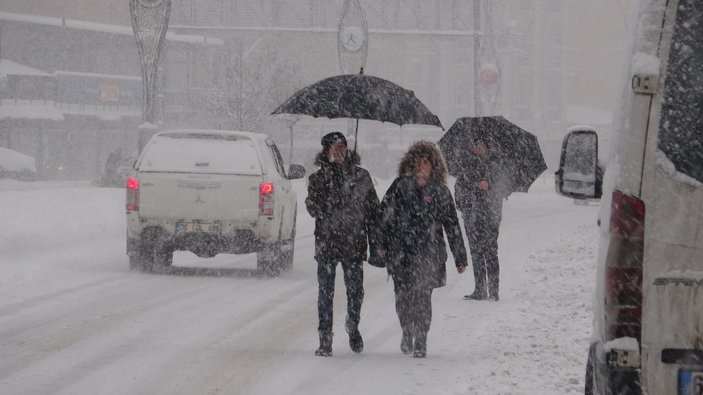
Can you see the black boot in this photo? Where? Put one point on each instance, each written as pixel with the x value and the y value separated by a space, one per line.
pixel 476 295
pixel 420 349
pixel 325 349
pixel 356 343
pixel 493 290
pixel 406 343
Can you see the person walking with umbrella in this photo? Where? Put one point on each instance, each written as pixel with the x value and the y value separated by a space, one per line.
pixel 417 209
pixel 491 158
pixel 343 201
pixel 479 191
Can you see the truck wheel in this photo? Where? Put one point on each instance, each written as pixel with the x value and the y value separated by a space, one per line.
pixel 288 248
pixel 278 256
pixel 268 260
pixel 163 256
pixel 153 251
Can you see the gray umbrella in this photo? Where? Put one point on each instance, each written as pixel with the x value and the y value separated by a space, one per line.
pixel 359 96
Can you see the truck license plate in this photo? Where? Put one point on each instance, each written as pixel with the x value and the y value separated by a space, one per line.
pixel 198 227
pixel 690 382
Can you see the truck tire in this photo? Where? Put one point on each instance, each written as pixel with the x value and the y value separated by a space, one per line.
pixel 268 260
pixel 277 257
pixel 289 246
pixel 154 252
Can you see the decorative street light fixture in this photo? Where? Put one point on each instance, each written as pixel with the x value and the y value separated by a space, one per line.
pixel 149 23
pixel 352 44
pixel 352 38
pixel 487 75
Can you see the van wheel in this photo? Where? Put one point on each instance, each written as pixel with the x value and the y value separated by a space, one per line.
pixel 590 386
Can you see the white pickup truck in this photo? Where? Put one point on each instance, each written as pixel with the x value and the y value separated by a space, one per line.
pixel 211 192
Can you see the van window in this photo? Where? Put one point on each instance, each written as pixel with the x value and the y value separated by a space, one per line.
pixel 681 124
pixel 201 153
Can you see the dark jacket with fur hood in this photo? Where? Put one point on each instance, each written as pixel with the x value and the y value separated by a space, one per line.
pixel 415 219
pixel 343 201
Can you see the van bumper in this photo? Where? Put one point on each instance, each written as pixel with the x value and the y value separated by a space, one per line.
pixel 612 379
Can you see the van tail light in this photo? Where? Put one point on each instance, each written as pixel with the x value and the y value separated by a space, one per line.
pixel 623 268
pixel 132 194
pixel 266 198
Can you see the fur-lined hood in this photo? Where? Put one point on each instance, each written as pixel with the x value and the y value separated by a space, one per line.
pixel 427 149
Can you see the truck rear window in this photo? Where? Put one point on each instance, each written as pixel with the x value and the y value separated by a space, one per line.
pixel 201 153
pixel 681 125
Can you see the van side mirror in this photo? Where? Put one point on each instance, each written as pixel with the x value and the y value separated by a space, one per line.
pixel 579 175
pixel 295 172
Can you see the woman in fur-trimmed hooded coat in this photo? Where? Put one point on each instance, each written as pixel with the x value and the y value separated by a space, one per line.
pixel 417 209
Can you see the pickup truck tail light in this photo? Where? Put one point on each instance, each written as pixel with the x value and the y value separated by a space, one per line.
pixel 623 270
pixel 266 198
pixel 132 194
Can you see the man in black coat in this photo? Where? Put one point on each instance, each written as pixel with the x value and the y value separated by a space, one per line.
pixel 343 201
pixel 479 192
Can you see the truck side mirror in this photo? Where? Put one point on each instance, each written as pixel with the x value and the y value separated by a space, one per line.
pixel 295 172
pixel 579 175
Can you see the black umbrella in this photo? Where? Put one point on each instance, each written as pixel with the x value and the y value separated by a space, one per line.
pixel 520 155
pixel 359 96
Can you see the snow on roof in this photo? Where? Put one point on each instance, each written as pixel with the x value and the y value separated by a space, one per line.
pixel 108 76
pixel 97 111
pixel 33 110
pixel 102 27
pixel 8 67
pixel 28 109
pixel 12 68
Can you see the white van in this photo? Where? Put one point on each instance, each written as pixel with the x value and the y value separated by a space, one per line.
pixel 648 323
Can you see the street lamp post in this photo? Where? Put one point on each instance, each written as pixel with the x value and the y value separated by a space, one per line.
pixel 149 23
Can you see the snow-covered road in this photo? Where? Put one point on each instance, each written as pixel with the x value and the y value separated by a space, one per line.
pixel 75 320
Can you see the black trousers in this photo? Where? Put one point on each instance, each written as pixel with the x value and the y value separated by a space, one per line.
pixel 354 282
pixel 482 225
pixel 413 304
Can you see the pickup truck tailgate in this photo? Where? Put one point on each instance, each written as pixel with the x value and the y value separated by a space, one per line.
pixel 189 196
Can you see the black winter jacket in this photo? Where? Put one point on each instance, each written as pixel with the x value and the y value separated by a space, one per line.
pixel 473 169
pixel 414 221
pixel 343 201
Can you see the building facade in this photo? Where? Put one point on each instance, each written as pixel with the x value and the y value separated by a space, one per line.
pixel 554 62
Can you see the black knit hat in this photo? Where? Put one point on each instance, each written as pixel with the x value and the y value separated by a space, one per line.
pixel 331 139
